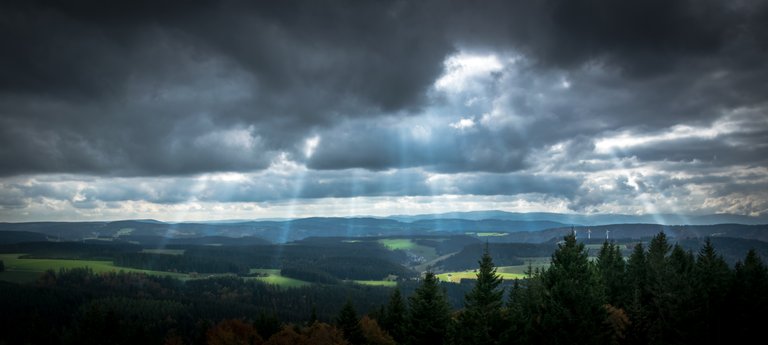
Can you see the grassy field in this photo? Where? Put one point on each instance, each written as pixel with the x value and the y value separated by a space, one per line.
pixel 27 270
pixel 424 252
pixel 506 272
pixel 376 282
pixel 275 278
pixel 455 277
pixel 398 243
pixel 535 262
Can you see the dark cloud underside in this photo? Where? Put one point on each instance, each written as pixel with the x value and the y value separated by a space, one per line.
pixel 571 89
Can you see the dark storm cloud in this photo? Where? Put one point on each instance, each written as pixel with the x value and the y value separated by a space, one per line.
pixel 709 151
pixel 175 88
pixel 87 191
pixel 436 146
pixel 113 89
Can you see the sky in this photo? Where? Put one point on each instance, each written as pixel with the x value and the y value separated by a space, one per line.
pixel 192 110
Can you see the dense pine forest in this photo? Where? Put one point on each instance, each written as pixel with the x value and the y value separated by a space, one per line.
pixel 660 294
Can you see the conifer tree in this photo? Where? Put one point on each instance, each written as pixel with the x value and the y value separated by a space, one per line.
pixel 639 296
pixel 312 315
pixel 682 291
pixel 574 311
pixel 480 321
pixel 394 317
pixel 612 268
pixel 750 303
pixel 348 322
pixel 524 310
pixel 658 279
pixel 712 281
pixel 429 316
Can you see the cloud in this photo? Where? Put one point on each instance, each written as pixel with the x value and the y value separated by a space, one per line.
pixel 597 104
pixel 95 89
pixel 130 85
pixel 276 185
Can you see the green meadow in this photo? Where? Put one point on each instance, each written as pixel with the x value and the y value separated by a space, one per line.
pixel 27 270
pixel 456 277
pixel 377 282
pixel 408 245
pixel 275 278
pixel 398 243
pixel 506 272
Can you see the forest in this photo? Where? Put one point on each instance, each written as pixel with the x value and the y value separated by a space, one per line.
pixel 661 294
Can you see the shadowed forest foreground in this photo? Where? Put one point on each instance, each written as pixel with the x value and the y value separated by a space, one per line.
pixel 661 294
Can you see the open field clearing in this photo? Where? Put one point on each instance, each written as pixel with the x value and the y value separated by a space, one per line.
pixel 27 270
pixel 419 252
pixel 273 277
pixel 456 277
pixel 398 243
pixel 536 262
pixel 506 272
pixel 376 282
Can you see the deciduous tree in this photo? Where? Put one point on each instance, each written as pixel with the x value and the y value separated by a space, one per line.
pixel 233 332
pixel 373 334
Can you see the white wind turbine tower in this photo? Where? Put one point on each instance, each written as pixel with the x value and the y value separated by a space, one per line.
pixel 606 234
pixel 589 234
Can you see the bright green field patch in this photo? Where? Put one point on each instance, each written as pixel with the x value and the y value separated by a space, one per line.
pixel 456 277
pixel 376 282
pixel 541 263
pixel 275 278
pixel 422 253
pixel 398 243
pixel 27 270
pixel 164 251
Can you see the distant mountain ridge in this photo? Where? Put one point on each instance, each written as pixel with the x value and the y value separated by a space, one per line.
pixel 594 219
pixel 275 231
pixel 519 227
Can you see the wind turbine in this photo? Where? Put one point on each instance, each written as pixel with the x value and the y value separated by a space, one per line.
pixel 589 234
pixel 606 234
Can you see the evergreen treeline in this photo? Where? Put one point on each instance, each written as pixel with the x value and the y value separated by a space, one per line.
pixel 504 254
pixel 71 250
pixel 662 294
pixel 179 263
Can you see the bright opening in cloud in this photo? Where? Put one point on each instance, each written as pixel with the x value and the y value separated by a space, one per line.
pixel 462 69
pixel 310 145
pixel 463 124
pixel 628 139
